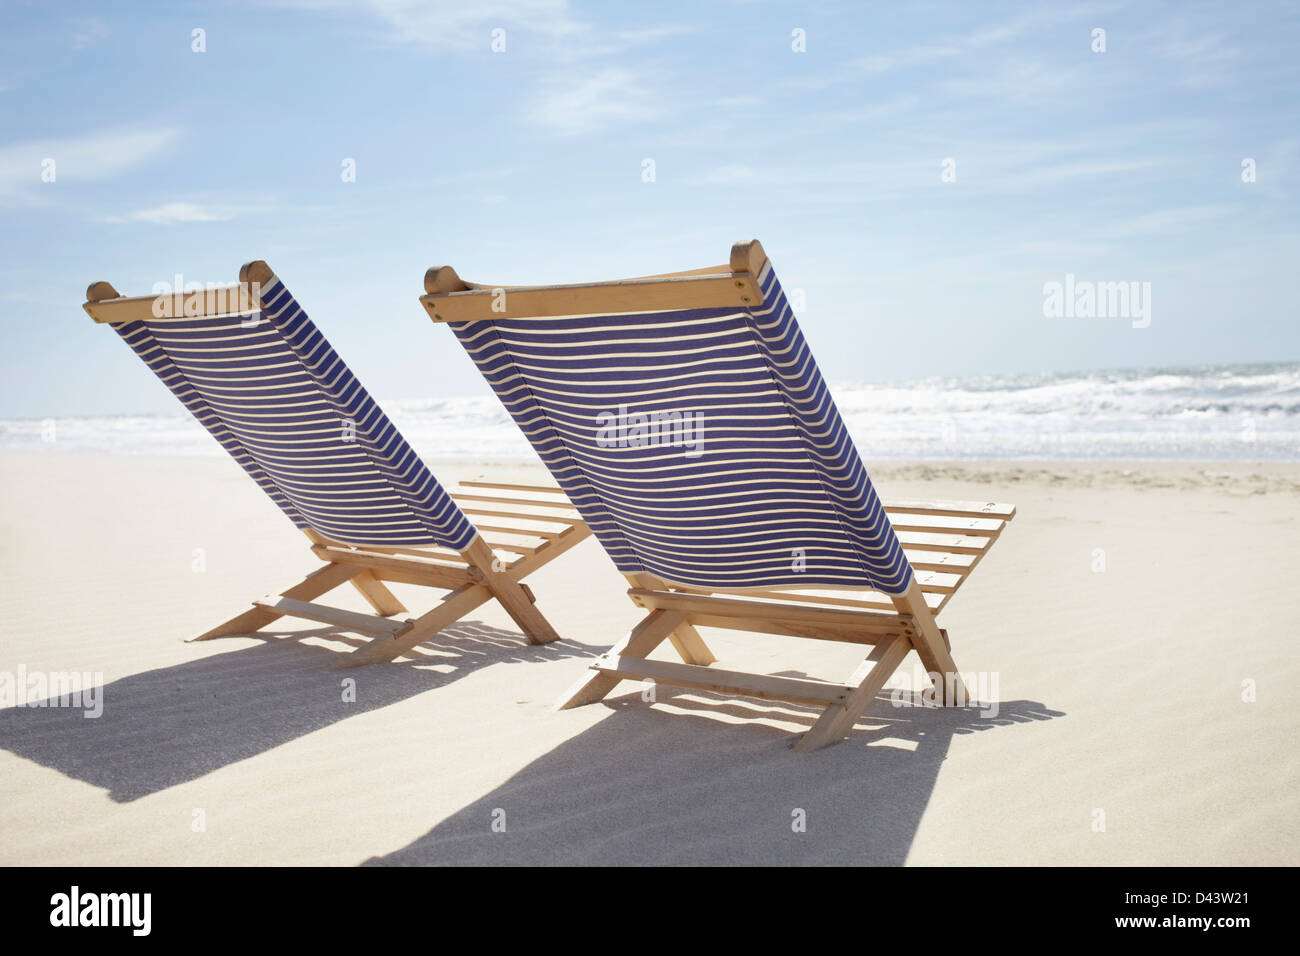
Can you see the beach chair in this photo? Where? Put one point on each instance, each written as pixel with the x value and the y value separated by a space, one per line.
pixel 254 370
pixel 687 421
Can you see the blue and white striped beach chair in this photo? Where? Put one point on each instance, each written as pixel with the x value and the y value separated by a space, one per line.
pixel 685 417
pixel 256 372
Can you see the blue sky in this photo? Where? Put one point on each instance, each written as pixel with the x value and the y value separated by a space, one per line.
pixel 526 166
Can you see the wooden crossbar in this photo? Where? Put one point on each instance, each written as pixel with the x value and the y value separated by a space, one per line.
pixel 796 690
pixel 349 620
pixel 480 302
pixel 436 574
pixel 864 598
pixel 240 299
pixel 769 611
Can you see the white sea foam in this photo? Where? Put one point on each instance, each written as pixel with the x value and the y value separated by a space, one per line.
pixel 1222 413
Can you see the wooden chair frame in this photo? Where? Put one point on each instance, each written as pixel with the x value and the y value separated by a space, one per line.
pixel 536 532
pixel 943 540
pixel 539 525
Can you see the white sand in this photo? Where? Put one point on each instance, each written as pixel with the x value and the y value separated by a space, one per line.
pixel 1120 692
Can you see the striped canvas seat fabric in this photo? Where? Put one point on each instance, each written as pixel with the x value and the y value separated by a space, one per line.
pixel 279 399
pixel 701 446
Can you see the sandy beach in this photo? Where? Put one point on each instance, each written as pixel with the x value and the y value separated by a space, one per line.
pixel 1139 620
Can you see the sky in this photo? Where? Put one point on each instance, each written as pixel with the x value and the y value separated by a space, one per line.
pixel 918 173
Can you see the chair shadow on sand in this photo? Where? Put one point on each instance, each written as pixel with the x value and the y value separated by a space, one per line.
pixel 643 787
pixel 169 726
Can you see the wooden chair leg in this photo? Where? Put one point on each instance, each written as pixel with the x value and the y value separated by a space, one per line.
pixel 837 721
pixel 323 579
pixel 652 631
pixel 377 595
pixel 690 646
pixel 453 607
pixel 511 596
pixel 686 639
pixel 931 647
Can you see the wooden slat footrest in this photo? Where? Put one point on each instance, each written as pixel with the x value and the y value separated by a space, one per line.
pixel 521 516
pixel 522 532
pixel 946 561
pixel 792 689
pixel 939 582
pixel 529 502
pixel 512 547
pixel 351 620
pixel 956 509
pixel 927 523
pixel 549 506
pixel 502 486
pixel 934 541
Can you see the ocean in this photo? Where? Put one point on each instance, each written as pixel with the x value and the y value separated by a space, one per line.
pixel 1210 413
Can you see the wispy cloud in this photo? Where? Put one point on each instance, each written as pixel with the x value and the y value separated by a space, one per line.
pixel 1201 59
pixel 570 103
pixel 456 26
pixel 472 177
pixel 79 159
pixel 87 32
pixel 1017 81
pixel 1008 168
pixel 743 101
pixel 1057 173
pixel 453 24
pixel 974 45
pixel 169 214
pixel 868 112
pixel 952 46
pixel 810 174
pixel 1164 222
pixel 917 55
pixel 617 42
